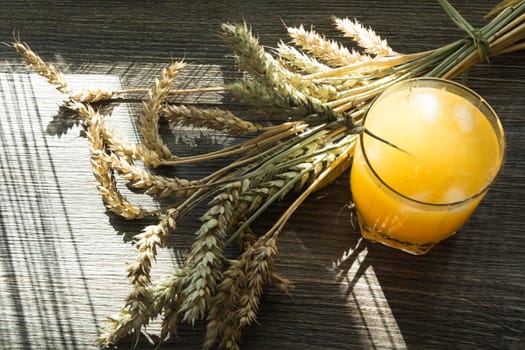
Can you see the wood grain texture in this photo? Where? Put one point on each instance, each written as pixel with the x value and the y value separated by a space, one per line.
pixel 62 257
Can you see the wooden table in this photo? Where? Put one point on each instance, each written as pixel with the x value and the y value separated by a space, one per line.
pixel 62 257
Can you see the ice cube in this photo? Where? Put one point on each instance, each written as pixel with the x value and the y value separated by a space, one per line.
pixel 427 105
pixel 463 118
pixel 425 196
pixel 373 150
pixel 454 194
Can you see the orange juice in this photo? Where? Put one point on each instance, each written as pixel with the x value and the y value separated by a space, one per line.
pixel 444 148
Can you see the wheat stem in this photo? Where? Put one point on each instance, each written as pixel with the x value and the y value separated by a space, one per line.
pixel 173 91
pixel 271 136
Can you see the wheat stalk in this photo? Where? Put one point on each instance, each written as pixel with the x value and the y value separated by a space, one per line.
pixel 55 77
pixel 258 143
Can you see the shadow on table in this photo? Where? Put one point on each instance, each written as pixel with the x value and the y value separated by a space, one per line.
pixel 44 281
pixel 464 292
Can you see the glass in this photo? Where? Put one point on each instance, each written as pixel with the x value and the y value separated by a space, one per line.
pixel 430 151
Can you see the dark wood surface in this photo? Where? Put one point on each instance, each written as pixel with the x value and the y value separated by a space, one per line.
pixel 62 257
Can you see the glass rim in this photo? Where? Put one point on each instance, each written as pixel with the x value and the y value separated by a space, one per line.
pixel 495 124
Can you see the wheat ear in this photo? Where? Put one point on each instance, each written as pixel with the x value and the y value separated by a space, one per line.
pixel 157 185
pixel 299 60
pixel 364 37
pixel 265 69
pixel 224 302
pixel 55 77
pixel 259 273
pixel 48 71
pixel 205 259
pixel 212 118
pixel 102 171
pixel 277 103
pixel 152 108
pixel 114 141
pixel 93 95
pixel 236 303
pixel 167 299
pixel 329 51
pixel 139 307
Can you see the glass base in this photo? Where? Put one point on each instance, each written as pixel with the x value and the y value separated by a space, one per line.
pixel 373 235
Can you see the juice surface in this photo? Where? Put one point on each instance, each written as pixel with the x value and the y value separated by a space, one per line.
pixel 450 152
pixel 451 149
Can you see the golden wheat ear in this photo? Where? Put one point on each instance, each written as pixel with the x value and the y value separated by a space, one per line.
pixel 152 109
pixel 329 51
pixel 48 71
pixel 366 38
pixel 55 77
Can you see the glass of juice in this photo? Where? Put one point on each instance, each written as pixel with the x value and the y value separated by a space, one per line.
pixel 430 151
